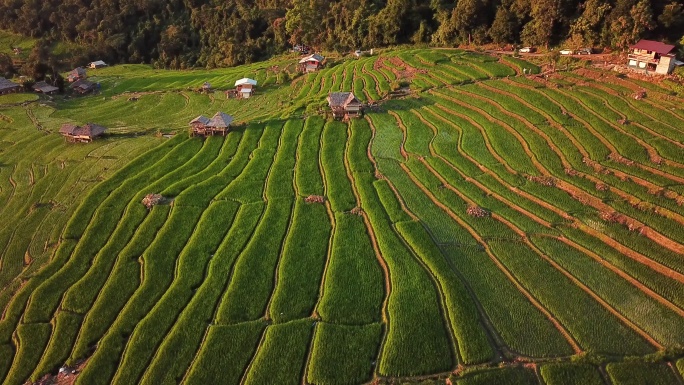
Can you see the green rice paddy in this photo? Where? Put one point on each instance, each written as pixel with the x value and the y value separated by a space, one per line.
pixel 486 228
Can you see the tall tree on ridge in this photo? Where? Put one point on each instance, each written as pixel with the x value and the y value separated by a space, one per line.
pixel 539 31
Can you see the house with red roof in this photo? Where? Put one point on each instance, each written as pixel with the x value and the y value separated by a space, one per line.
pixel 652 56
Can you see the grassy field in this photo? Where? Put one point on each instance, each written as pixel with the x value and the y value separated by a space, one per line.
pixel 488 227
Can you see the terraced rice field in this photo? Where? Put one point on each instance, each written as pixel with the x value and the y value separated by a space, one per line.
pixel 487 228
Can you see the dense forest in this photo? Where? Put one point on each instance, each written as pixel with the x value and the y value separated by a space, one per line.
pixel 214 33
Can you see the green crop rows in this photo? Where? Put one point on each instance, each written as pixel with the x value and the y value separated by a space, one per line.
pixel 489 227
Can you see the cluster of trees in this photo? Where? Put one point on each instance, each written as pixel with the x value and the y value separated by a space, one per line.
pixel 213 33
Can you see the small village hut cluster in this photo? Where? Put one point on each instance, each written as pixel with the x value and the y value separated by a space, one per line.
pixel 85 134
pixel 8 86
pixel 218 124
pixel 311 63
pixel 344 105
pixel 652 56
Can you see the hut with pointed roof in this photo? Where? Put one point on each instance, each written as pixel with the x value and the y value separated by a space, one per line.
pixel 7 86
pixel 311 63
pixel 84 134
pixel 76 74
pixel 344 105
pixel 244 88
pixel 652 56
pixel 218 124
pixel 198 126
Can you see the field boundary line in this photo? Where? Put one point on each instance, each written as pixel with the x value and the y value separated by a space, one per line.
pixel 163 294
pixel 582 286
pixel 605 263
pixel 662 300
pixel 493 336
pixel 276 275
pixel 618 173
pixel 607 143
pixel 557 325
pixel 379 174
pixel 653 153
pixel 608 104
pixel 217 306
pixel 523 142
pixel 484 134
pixel 333 228
pixel 369 228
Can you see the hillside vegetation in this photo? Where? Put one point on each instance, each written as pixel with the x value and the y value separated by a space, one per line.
pixel 183 34
pixel 486 228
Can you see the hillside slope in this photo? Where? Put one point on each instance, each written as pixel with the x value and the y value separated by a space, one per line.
pixel 487 228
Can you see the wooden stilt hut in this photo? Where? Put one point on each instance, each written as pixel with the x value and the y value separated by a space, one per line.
pixel 344 105
pixel 198 126
pixel 218 124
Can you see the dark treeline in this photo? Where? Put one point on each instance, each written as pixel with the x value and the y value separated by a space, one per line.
pixel 213 33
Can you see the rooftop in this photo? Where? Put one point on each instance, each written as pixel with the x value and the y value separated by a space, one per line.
pixel 220 120
pixel 341 99
pixel 244 81
pixel 314 57
pixel 90 130
pixel 6 84
pixel 655 46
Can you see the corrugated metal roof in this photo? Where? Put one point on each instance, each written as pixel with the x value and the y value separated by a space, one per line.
pixel 655 46
pixel 44 87
pixel 7 84
pixel 244 81
pixel 313 57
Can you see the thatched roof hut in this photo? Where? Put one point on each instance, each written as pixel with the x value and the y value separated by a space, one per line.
pixel 86 133
pixel 220 120
pixel 219 123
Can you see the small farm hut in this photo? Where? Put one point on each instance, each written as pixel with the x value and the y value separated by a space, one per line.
pixel 218 124
pixel 44 88
pixel 8 86
pixel 245 87
pixel 85 134
pixel 77 74
pixel 83 87
pixel 344 105
pixel 311 63
pixel 652 56
pixel 198 126
pixel 97 64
